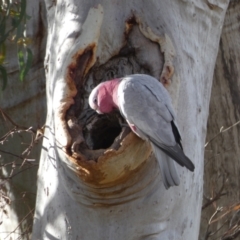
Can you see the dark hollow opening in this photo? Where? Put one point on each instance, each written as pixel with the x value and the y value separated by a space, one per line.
pixel 102 130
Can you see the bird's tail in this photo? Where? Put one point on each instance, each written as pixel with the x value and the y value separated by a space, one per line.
pixel 167 166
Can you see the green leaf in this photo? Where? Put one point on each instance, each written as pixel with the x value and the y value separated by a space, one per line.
pixel 24 67
pixel 28 63
pixel 15 14
pixel 4 76
pixel 21 59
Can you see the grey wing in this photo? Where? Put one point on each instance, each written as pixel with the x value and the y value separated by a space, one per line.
pixel 167 166
pixel 147 105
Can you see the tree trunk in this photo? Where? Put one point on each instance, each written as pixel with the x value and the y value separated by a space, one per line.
pixel 220 216
pixel 90 187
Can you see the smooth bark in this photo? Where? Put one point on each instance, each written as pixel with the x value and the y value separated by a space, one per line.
pixel 79 198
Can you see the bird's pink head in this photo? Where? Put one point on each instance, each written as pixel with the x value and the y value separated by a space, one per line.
pixel 103 98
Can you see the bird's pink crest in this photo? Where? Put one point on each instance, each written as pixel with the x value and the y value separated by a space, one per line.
pixel 107 96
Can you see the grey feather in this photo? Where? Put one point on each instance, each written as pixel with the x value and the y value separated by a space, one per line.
pixel 168 169
pixel 176 153
pixel 146 104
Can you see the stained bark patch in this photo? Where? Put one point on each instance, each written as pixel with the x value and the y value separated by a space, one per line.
pixel 93 134
pixel 103 149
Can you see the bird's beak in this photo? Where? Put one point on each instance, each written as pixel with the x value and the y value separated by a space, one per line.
pixel 95 108
pixel 99 112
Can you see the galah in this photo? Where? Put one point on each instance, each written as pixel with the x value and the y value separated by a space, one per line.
pixel 146 105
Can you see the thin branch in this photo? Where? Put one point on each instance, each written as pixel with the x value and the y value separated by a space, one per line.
pixel 20 171
pixel 217 196
pixel 30 212
pixel 228 210
pixel 213 233
pixel 14 166
pixel 222 130
pixel 12 154
pixel 219 209
pixel 232 233
pixel 6 116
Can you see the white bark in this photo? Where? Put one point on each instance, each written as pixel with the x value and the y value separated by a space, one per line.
pixel 80 199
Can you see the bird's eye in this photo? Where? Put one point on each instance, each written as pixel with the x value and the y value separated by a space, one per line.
pixel 95 100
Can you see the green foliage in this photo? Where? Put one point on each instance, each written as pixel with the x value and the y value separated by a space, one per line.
pixel 24 65
pixel 13 19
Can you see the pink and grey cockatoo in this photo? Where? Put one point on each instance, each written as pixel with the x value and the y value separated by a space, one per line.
pixel 146 105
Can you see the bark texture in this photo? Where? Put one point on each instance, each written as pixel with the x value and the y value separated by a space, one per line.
pixel 88 192
pixel 222 166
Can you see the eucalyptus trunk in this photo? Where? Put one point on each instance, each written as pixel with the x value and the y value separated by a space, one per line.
pixel 96 180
